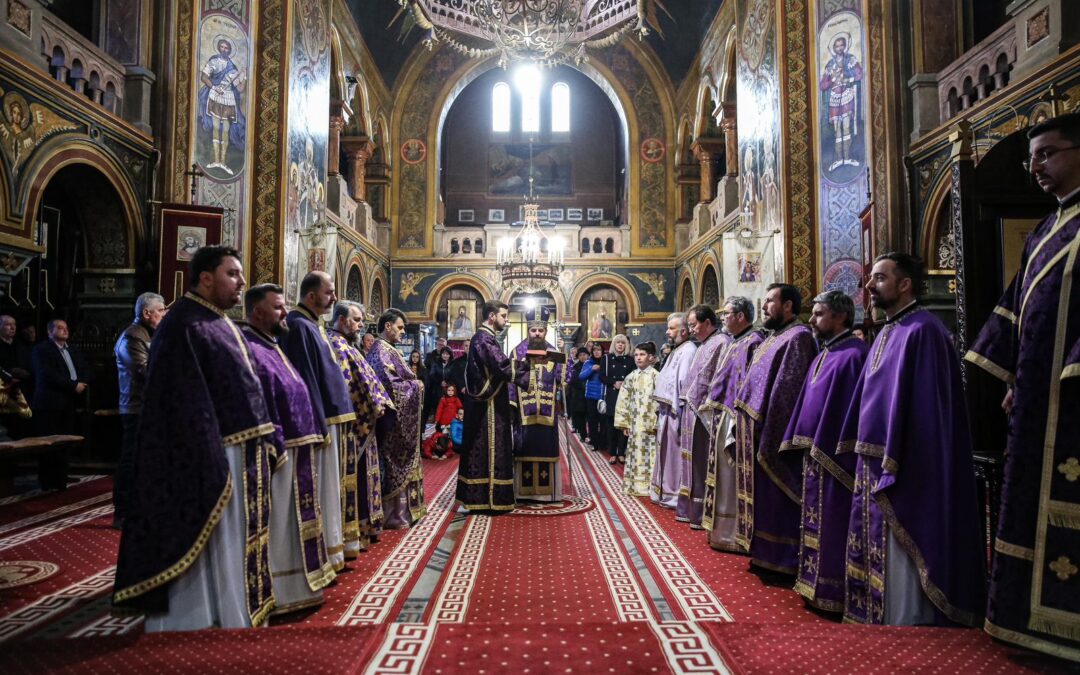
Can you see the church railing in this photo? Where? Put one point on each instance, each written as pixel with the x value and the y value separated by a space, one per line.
pixel 78 63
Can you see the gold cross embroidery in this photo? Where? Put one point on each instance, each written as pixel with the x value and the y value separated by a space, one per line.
pixel 1070 468
pixel 1063 568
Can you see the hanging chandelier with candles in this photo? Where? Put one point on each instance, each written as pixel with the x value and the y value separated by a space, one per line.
pixel 546 32
pixel 531 261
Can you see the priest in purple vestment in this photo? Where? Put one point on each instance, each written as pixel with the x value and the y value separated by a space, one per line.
pixel 669 395
pixel 1032 343
pixel 813 432
pixel 204 456
pixel 915 553
pixel 720 515
pixel 298 561
pixel 697 421
pixel 486 471
pixel 536 435
pixel 768 483
pixel 362 512
pixel 308 347
pixel 399 431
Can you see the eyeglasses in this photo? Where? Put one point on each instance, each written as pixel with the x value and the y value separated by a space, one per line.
pixel 1043 156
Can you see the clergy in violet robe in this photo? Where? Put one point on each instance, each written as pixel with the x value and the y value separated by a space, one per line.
pixel 486 471
pixel 813 432
pixel 670 387
pixel 361 486
pixel 720 516
pixel 308 347
pixel 915 552
pixel 399 431
pixel 697 421
pixel 1032 343
pixel 194 549
pixel 768 483
pixel 536 436
pixel 298 561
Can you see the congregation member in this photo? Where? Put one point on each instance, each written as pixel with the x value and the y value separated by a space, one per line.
pixel 614 367
pixel 914 553
pixel 486 470
pixel 697 421
pixel 194 548
pixel 814 430
pixel 1030 343
pixel 536 436
pixel 308 348
pixel 399 431
pixel 299 568
pixel 132 352
pixel 435 354
pixel 15 357
pixel 366 341
pixel 361 481
pixel 594 394
pixel 436 379
pixel 720 513
pixel 576 406
pixel 635 417
pixel 768 483
pixel 61 377
pixel 668 393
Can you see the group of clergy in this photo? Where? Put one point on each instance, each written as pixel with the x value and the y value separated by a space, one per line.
pixel 844 466
pixel 270 451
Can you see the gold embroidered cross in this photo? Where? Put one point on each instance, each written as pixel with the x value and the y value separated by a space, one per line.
pixel 1070 468
pixel 1063 568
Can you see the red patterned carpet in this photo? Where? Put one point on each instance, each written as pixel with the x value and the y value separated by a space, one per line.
pixel 600 582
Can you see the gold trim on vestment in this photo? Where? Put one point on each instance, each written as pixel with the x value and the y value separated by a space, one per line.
pixel 1046 270
pixel 297 606
pixel 1031 642
pixel 1070 371
pixel 341 419
pixel 869 449
pixel 248 434
pixel 770 566
pixel 1001 311
pixel 1014 550
pixel 186 560
pixel 485 507
pixel 834 469
pixel 745 407
pixel 311 439
pixel 775 539
pixel 989 366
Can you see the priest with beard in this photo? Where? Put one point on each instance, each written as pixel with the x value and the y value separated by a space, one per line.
pixel 669 395
pixel 719 519
pixel 536 436
pixel 486 472
pixel 697 421
pixel 298 563
pixel 399 431
pixel 768 483
pixel 308 347
pixel 361 485
pixel 813 432
pixel 915 553
pixel 194 549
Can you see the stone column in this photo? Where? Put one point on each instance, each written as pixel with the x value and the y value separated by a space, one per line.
pixel 358 150
pixel 707 151
pixel 333 147
pixel 731 138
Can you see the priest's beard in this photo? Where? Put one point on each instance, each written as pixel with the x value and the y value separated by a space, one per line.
pixel 538 343
pixel 279 330
pixel 774 322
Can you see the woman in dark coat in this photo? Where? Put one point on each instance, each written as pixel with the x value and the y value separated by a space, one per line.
pixel 575 394
pixel 617 364
pixel 434 383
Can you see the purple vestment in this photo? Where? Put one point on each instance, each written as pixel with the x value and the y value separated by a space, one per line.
pixel 769 484
pixel 670 386
pixel 290 408
pixel 536 437
pixel 828 478
pixel 361 483
pixel 399 431
pixel 720 514
pixel 914 478
pixel 1032 342
pixel 486 471
pixel 202 394
pixel 308 347
pixel 696 431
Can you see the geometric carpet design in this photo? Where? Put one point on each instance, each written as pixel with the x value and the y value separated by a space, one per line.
pixel 597 583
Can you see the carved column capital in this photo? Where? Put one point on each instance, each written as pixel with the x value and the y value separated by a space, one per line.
pixel 730 127
pixel 358 150
pixel 707 151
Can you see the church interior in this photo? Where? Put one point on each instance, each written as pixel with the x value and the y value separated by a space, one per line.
pixel 687 151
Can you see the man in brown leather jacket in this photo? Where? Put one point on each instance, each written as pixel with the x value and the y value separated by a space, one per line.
pixel 132 356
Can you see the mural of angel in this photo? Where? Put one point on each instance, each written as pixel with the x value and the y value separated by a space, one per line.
pixel 25 125
pixel 409 281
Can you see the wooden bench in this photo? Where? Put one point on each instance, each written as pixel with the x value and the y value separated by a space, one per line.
pixel 33 446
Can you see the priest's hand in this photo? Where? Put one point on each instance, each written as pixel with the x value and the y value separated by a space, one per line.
pixel 1007 402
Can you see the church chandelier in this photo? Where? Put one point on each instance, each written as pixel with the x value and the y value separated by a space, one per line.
pixel 530 261
pixel 545 32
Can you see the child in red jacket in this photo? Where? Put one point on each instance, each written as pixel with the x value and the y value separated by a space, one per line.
pixel 449 405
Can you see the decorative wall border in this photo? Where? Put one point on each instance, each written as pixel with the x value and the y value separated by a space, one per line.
pixel 267 254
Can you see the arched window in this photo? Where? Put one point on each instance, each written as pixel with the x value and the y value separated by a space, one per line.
pixel 530 109
pixel 479 246
pixel 500 107
pixel 560 108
